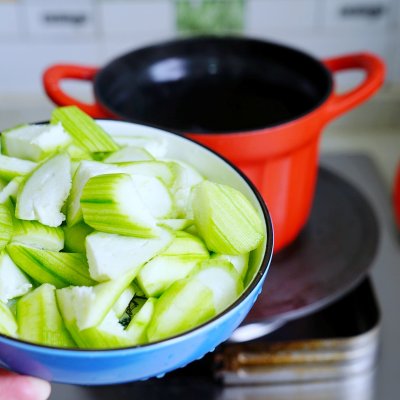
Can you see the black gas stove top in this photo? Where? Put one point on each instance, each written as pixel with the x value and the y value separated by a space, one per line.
pixel 325 326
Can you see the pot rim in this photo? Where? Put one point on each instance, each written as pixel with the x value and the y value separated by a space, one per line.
pixel 221 40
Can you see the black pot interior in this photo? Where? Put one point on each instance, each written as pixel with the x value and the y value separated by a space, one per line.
pixel 213 85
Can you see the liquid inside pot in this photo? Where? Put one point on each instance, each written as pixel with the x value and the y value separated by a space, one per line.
pixel 218 107
pixel 214 86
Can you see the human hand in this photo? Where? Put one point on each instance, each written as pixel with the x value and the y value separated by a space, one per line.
pixel 20 387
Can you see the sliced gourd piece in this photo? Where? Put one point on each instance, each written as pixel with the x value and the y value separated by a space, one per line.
pixel 240 262
pixel 161 272
pixel 39 320
pixel 225 219
pixel 185 304
pixel 123 301
pixel 43 193
pixel 192 230
pixel 221 277
pixel 3 184
pixel 88 305
pixel 136 331
pixel 13 282
pixel 6 224
pixel 35 234
pixel 110 255
pixel 186 243
pixel 185 178
pixel 11 167
pixel 59 269
pixel 138 290
pixel 12 305
pixel 176 262
pixel 8 323
pixel 34 142
pixel 127 154
pixel 85 171
pixel 99 156
pixel 84 129
pixel 157 147
pixel 154 194
pixel 74 167
pixel 111 203
pixel 74 237
pixel 107 334
pixel 77 153
pixel 65 303
pixel 11 189
pixel 176 224
pixel 157 169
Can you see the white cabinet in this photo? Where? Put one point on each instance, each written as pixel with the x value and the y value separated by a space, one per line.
pixel 368 16
pixel 58 20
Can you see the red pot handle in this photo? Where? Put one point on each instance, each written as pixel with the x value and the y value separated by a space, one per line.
pixel 374 68
pixel 52 78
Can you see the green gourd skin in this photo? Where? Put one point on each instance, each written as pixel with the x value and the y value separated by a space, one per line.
pixel 39 319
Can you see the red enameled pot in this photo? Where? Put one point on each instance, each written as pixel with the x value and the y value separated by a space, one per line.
pixel 262 105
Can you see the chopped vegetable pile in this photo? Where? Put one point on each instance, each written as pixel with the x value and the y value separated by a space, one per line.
pixel 106 243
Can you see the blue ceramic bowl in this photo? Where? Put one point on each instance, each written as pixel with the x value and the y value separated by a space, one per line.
pixel 100 367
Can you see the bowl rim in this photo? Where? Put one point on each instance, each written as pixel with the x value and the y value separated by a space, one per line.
pixel 261 272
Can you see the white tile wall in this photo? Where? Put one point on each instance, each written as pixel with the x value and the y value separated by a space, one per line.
pixel 22 64
pixel 37 33
pixel 9 19
pixel 280 15
pixel 124 17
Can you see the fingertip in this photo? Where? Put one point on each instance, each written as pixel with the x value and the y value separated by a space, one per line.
pixel 39 388
pixel 20 387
